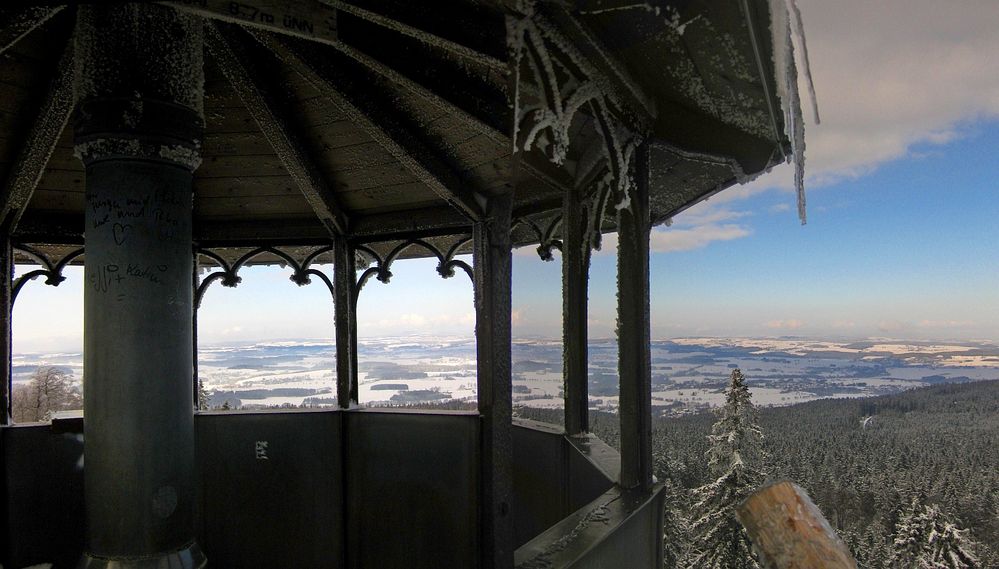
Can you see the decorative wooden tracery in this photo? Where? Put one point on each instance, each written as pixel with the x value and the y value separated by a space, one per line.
pixel 555 82
pixel 546 231
pixel 228 273
pixel 51 270
pixel 381 268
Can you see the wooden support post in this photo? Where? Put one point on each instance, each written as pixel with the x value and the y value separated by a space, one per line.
pixel 492 259
pixel 789 531
pixel 345 321
pixel 6 320
pixel 195 282
pixel 575 276
pixel 634 365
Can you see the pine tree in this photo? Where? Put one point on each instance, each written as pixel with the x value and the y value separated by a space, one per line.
pixel 910 535
pixel 676 527
pixel 927 539
pixel 203 397
pixel 735 457
pixel 949 547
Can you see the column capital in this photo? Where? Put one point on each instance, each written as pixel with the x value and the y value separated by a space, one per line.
pixel 139 84
pixel 141 129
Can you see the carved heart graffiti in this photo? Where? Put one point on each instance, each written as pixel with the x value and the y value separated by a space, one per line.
pixel 120 231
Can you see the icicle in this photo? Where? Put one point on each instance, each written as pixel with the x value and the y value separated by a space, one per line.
pixel 796 126
pixel 805 65
pixel 787 90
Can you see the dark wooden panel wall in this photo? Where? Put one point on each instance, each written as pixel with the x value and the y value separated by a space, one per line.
pixel 412 480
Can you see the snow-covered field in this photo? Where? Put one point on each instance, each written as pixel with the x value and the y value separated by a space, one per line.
pixel 688 373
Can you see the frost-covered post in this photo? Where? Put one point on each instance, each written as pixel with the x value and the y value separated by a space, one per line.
pixel 575 276
pixel 139 80
pixel 7 266
pixel 345 321
pixel 633 334
pixel 492 258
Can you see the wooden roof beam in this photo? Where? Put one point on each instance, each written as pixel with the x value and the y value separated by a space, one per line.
pixel 19 22
pixel 41 140
pixel 243 70
pixel 319 25
pixel 317 21
pixel 604 67
pixel 444 44
pixel 359 102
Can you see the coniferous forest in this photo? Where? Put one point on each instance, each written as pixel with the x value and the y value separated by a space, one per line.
pixel 907 480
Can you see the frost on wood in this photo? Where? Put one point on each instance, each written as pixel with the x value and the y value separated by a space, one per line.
pixel 41 141
pixel 113 41
pixel 16 23
pixel 543 119
pixel 712 53
pixel 119 147
pixel 544 559
pixel 561 82
pixel 463 53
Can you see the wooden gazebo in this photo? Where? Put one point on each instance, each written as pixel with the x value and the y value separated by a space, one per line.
pixel 166 145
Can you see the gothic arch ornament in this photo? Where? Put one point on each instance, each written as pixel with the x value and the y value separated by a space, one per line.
pixel 560 83
pixel 381 269
pixel 545 234
pixel 228 273
pixel 51 270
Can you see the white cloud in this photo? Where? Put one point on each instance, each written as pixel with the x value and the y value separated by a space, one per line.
pixel 893 74
pixel 791 324
pixel 893 326
pixel 945 324
pixel 706 213
pixel 670 239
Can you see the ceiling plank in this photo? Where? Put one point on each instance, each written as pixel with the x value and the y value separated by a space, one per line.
pixel 317 21
pixel 41 140
pixel 307 19
pixel 243 69
pixel 219 10
pixel 408 224
pixel 452 47
pixel 385 125
pixel 19 22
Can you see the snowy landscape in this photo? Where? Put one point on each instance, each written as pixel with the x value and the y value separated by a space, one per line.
pixel 688 374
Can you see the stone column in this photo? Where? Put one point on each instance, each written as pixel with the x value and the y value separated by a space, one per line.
pixel 492 261
pixel 633 331
pixel 575 277
pixel 140 118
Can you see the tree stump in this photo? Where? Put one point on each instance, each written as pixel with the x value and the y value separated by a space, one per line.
pixel 789 532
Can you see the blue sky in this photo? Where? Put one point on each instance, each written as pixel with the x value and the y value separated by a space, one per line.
pixel 902 237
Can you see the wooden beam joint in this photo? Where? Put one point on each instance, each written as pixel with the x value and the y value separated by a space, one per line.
pixel 332 75
pixel 241 67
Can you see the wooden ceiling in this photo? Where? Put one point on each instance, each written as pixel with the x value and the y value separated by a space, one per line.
pixel 395 119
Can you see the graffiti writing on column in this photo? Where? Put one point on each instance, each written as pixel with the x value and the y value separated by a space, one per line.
pixel 103 276
pixel 155 217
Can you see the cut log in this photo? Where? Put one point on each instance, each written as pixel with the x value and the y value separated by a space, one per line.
pixel 789 532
